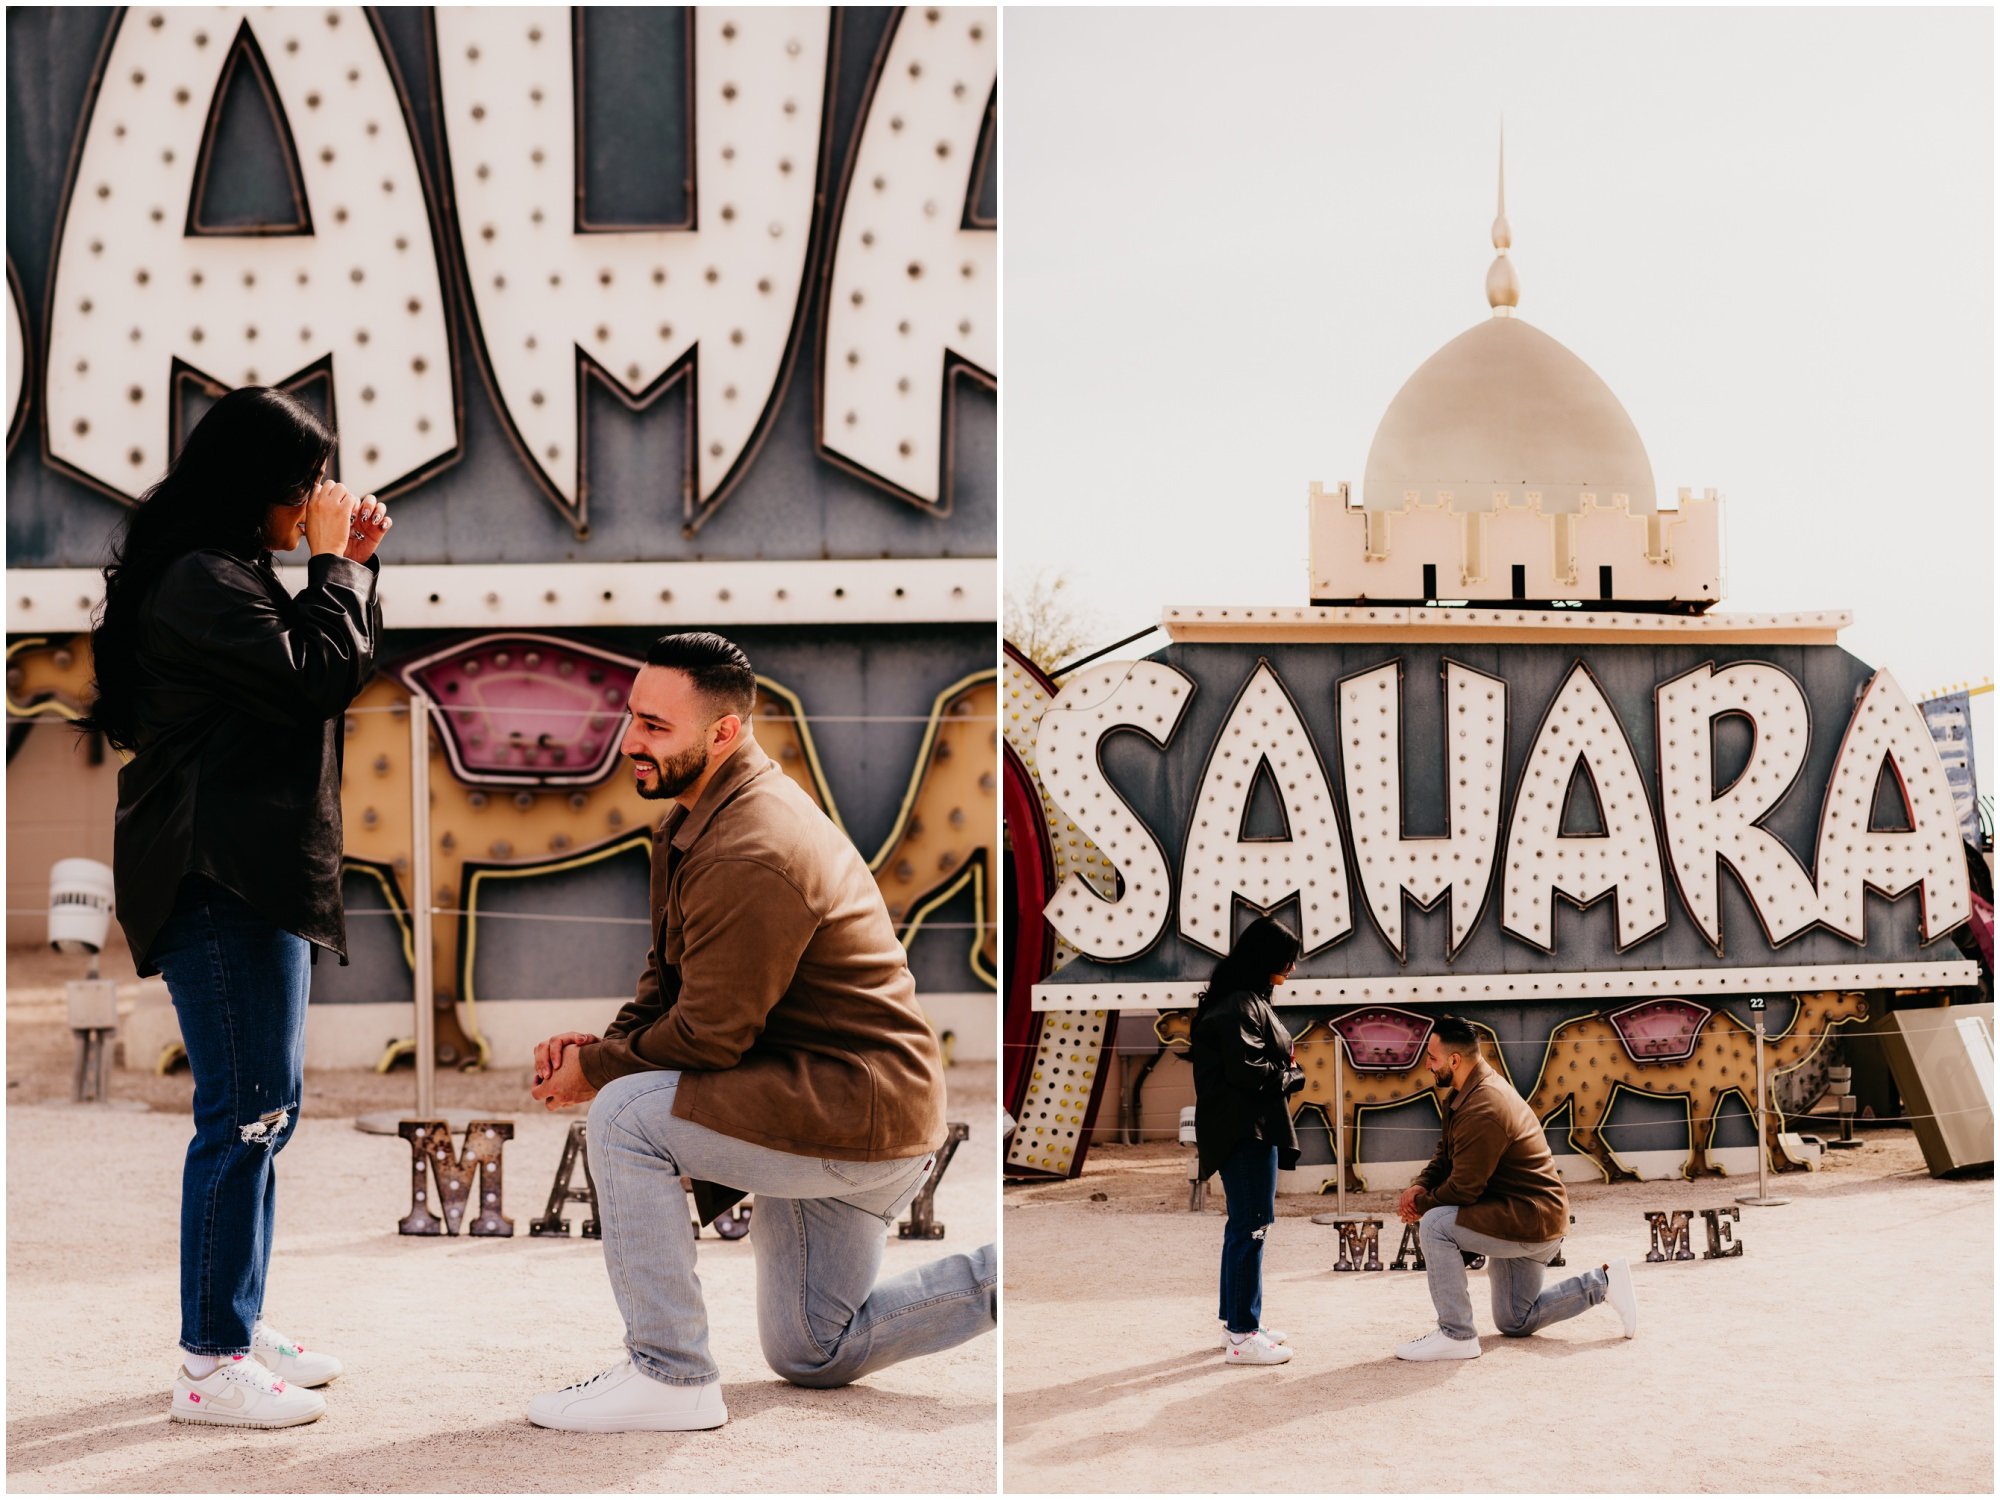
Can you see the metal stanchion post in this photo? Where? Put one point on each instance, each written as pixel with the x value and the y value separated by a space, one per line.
pixel 421 902
pixel 1763 1199
pixel 1339 1123
pixel 422 909
pixel 1338 1134
pixel 1840 1084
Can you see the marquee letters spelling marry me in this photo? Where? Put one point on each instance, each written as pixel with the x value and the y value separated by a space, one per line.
pixel 1300 772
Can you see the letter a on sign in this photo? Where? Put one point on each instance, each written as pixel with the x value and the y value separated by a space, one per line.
pixel 1887 730
pixel 139 285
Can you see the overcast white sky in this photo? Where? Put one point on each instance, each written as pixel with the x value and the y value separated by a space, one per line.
pixel 1230 236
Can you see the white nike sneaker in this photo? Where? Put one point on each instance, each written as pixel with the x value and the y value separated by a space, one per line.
pixel 1620 1295
pixel 624 1399
pixel 241 1392
pixel 1253 1349
pixel 1437 1344
pixel 296 1363
pixel 1273 1334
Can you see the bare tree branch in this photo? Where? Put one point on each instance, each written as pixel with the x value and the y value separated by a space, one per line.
pixel 1045 623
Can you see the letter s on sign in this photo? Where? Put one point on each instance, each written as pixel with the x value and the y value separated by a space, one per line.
pixel 1151 698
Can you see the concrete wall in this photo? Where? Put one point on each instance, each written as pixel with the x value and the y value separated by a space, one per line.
pixel 59 806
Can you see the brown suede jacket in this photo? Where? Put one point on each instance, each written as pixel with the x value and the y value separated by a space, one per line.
pixel 1493 1162
pixel 776 984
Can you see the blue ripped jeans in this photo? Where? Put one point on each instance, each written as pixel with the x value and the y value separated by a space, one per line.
pixel 1250 1187
pixel 239 989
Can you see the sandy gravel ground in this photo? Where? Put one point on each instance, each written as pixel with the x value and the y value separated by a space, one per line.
pixel 1849 1349
pixel 445 1340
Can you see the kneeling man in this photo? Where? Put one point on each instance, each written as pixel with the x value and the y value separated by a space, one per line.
pixel 1492 1189
pixel 775 1047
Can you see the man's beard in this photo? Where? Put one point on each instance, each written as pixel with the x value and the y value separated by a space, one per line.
pixel 674 776
pixel 1443 1077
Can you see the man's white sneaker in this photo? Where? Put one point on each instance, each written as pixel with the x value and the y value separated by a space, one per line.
pixel 1274 1335
pixel 294 1361
pixel 1437 1344
pixel 1253 1349
pixel 240 1392
pixel 622 1399
pixel 1619 1294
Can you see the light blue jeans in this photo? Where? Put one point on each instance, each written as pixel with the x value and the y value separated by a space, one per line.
pixel 817 1228
pixel 1514 1270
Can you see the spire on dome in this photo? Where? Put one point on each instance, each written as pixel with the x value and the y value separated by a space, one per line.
pixel 1503 288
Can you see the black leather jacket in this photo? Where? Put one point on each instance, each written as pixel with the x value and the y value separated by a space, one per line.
pixel 1241 1053
pixel 241 690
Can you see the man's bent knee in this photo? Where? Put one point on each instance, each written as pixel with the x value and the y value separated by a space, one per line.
pixel 613 1097
pixel 828 1376
pixel 795 1358
pixel 1437 1222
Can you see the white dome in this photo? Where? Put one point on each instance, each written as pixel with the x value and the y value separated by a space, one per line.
pixel 1505 407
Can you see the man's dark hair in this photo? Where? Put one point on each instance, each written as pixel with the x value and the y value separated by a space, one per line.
pixel 720 670
pixel 1456 1034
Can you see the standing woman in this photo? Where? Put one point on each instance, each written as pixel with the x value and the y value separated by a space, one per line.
pixel 229 694
pixel 1243 1073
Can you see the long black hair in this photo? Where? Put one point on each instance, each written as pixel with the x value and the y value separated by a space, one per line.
pixel 255 448
pixel 1266 947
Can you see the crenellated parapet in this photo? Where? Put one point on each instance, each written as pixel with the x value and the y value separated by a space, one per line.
pixel 1481 542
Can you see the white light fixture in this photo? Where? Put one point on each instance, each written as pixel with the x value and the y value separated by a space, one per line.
pixel 80 900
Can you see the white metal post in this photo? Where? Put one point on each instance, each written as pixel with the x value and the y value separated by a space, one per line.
pixel 1340 1123
pixel 420 903
pixel 1763 1198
